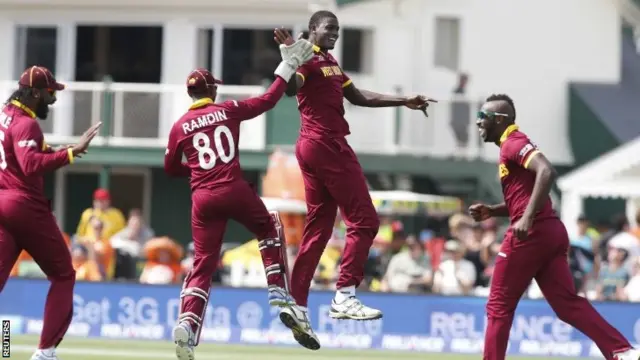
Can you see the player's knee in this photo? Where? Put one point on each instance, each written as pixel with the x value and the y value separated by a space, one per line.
pixel 66 276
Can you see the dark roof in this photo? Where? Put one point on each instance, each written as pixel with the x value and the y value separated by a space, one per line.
pixel 618 105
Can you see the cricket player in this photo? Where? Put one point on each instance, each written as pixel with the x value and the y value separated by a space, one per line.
pixel 208 135
pixel 536 245
pixel 332 177
pixel 26 220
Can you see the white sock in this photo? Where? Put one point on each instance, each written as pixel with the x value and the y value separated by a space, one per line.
pixel 345 293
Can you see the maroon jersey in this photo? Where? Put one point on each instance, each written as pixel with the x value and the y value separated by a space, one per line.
pixel 208 135
pixel 516 151
pixel 24 156
pixel 320 99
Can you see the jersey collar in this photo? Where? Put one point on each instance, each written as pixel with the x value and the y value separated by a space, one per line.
pixel 200 103
pixel 508 131
pixel 24 108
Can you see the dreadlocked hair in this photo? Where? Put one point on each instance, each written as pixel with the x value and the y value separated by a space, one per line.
pixel 318 16
pixel 506 98
pixel 18 95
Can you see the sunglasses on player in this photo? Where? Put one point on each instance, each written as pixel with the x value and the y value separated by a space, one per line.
pixel 490 114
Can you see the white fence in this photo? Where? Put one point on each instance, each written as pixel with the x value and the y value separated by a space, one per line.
pixel 142 114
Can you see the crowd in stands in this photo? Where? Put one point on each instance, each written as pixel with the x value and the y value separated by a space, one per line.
pixel 604 258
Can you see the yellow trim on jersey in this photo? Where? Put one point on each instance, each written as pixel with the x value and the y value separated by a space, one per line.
pixel 529 158
pixel 200 103
pixel 302 76
pixel 508 131
pixel 347 83
pixel 24 108
pixel 70 155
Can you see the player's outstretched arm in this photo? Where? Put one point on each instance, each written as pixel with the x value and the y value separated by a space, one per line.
pixel 545 175
pixel 366 98
pixel 32 160
pixel 173 165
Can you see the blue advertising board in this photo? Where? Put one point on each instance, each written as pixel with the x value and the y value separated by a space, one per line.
pixel 242 316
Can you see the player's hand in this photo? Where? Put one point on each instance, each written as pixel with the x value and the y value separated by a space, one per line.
pixel 419 102
pixel 282 37
pixel 480 212
pixel 81 147
pixel 521 228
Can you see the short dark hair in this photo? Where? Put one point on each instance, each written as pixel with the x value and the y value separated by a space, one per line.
pixel 318 16
pixel 506 98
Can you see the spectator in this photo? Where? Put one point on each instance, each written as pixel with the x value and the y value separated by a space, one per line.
pixel 409 270
pixel 627 241
pixel 111 217
pixel 456 275
pixel 163 262
pixel 105 255
pixel 631 292
pixel 478 252
pixel 131 239
pixel 613 276
pixel 619 223
pixel 583 255
pixel 84 262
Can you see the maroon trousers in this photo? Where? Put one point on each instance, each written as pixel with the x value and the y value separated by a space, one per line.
pixel 333 179
pixel 210 212
pixel 542 257
pixel 28 224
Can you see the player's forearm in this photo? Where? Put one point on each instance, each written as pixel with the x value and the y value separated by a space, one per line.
pixel 499 210
pixel 258 105
pixel 34 163
pixel 540 193
pixel 372 99
pixel 293 85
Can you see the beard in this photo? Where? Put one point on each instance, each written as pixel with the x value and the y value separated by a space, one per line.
pixel 42 111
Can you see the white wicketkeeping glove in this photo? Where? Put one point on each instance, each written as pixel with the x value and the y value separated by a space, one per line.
pixel 293 56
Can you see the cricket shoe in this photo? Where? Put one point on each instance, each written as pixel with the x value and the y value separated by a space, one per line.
pixel 280 297
pixel 46 354
pixel 631 354
pixel 352 308
pixel 297 320
pixel 184 338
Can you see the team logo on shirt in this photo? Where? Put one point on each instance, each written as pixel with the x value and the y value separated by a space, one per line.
pixel 502 171
pixel 331 71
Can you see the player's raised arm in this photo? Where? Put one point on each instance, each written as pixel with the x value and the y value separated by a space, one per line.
pixel 292 57
pixel 173 165
pixel 295 82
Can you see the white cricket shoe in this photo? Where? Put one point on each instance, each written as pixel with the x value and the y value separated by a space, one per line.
pixel 631 354
pixel 297 320
pixel 184 338
pixel 352 308
pixel 280 297
pixel 46 354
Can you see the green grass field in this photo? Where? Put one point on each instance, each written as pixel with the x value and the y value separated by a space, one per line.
pixel 94 349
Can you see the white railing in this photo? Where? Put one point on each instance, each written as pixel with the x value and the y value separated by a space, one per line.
pixel 138 115
pixel 141 115
pixel 449 131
